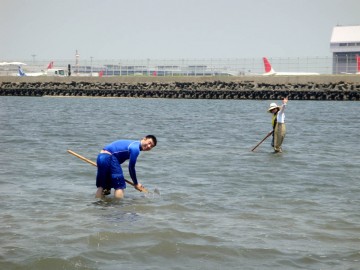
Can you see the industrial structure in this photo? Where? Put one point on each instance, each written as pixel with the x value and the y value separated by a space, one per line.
pixel 345 45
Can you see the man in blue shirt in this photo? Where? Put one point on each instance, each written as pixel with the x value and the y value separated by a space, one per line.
pixel 110 174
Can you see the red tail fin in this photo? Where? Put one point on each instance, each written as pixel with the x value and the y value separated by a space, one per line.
pixel 267 65
pixel 358 63
pixel 51 65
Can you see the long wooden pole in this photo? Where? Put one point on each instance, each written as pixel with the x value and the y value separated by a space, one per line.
pixel 271 132
pixel 94 164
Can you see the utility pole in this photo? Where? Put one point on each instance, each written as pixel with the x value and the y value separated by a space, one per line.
pixel 91 70
pixel 77 56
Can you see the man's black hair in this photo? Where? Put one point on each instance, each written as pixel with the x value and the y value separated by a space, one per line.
pixel 153 138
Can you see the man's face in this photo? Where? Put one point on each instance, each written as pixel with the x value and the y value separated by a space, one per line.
pixel 147 144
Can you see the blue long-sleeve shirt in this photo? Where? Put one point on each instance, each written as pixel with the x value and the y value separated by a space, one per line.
pixel 126 150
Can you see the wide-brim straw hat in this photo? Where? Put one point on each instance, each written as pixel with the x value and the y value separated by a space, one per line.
pixel 273 106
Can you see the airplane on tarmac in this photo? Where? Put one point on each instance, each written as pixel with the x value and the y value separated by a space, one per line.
pixel 21 73
pixel 50 71
pixel 269 71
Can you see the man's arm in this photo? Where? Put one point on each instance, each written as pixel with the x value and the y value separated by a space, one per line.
pixel 134 153
pixel 285 100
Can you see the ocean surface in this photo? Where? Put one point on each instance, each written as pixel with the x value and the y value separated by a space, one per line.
pixel 214 204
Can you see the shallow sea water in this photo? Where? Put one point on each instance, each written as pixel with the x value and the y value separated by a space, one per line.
pixel 214 204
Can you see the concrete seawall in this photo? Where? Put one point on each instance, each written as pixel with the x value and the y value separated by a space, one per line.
pixel 329 87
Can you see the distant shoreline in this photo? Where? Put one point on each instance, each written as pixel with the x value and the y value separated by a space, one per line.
pixel 334 87
pixel 348 78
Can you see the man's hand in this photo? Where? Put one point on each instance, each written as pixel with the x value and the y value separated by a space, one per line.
pixel 139 187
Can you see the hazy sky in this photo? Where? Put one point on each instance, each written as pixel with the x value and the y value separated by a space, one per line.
pixel 169 29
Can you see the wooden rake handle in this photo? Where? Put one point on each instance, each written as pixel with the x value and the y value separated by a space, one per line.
pixel 271 132
pixel 94 164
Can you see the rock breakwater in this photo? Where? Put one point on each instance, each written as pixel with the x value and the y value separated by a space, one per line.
pixel 187 90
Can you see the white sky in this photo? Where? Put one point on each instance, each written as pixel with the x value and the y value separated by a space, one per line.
pixel 170 29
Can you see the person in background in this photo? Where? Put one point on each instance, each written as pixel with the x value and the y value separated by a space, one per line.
pixel 278 123
pixel 110 174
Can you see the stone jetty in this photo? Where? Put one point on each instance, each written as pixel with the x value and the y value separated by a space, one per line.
pixel 331 88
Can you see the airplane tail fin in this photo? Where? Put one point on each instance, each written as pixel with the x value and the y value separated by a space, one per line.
pixel 21 73
pixel 51 65
pixel 358 63
pixel 268 68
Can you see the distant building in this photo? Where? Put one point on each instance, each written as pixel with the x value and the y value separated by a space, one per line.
pixel 345 45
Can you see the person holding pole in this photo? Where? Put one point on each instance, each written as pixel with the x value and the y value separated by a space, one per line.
pixel 110 174
pixel 278 123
